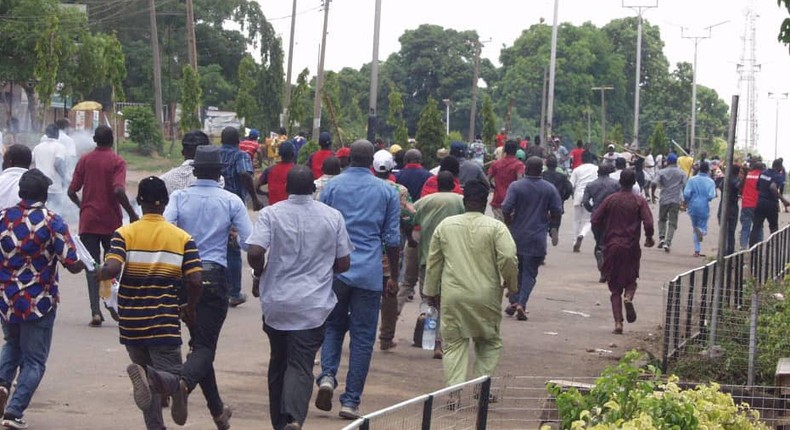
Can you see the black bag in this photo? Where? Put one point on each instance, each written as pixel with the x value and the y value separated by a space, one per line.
pixel 418 328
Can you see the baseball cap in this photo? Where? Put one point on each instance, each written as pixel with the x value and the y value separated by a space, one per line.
pixel 343 152
pixel 152 190
pixel 441 153
pixel 324 139
pixel 521 155
pixel 611 146
pixel 254 133
pixel 394 149
pixel 383 161
pixel 457 148
pixel 672 158
pixel 287 149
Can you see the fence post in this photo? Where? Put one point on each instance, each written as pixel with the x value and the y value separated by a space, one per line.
pixel 667 326
pixel 482 404
pixel 427 413
pixel 365 425
pixel 752 322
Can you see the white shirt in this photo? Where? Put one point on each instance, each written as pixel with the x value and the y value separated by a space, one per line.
pixel 303 237
pixel 46 155
pixel 68 143
pixel 9 186
pixel 636 189
pixel 181 177
pixel 580 177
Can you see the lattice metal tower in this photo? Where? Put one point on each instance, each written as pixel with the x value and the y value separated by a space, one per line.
pixel 748 132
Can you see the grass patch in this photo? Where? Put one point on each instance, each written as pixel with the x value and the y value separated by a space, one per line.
pixel 154 163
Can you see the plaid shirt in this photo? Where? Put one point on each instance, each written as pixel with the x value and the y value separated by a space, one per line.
pixel 235 163
pixel 33 240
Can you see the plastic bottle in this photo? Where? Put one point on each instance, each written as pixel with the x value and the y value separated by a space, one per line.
pixel 429 328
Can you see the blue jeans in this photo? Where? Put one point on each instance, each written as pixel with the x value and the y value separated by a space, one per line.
pixel 701 223
pixel 356 312
pixel 234 269
pixel 747 218
pixel 26 349
pixel 528 266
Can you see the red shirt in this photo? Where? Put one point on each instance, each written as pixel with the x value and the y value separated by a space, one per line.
pixel 576 157
pixel 505 172
pixel 317 161
pixel 749 191
pixel 524 144
pixel 500 140
pixel 431 186
pixel 250 147
pixel 276 176
pixel 98 174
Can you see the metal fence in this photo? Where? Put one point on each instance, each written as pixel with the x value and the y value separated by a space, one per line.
pixel 689 323
pixel 460 407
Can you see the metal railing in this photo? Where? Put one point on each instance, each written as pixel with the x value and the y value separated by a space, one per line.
pixel 690 296
pixel 462 406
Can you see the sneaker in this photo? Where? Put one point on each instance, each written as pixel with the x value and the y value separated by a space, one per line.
pixel 555 236
pixel 349 412
pixel 179 409
pixel 11 422
pixel 666 247
pixel 292 426
pixel 661 243
pixel 577 246
pixel 223 420
pixel 521 314
pixel 630 311
pixel 510 310
pixel 235 301
pixel 326 389
pixel 698 233
pixel 3 397
pixel 140 389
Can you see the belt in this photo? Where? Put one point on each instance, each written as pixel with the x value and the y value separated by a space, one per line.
pixel 211 267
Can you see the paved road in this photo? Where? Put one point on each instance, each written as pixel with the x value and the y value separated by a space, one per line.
pixel 86 384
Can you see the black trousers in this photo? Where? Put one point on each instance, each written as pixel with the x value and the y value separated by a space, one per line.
pixel 211 312
pixel 97 245
pixel 291 373
pixel 764 212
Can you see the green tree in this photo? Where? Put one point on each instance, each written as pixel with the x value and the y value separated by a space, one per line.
pixel 430 132
pixel 658 140
pixel 489 121
pixel 216 89
pixel 246 103
pixel 144 129
pixel 784 30
pixel 616 135
pixel 395 117
pixel 190 99
pixel 300 104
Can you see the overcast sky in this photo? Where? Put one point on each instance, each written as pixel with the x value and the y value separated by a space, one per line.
pixel 349 41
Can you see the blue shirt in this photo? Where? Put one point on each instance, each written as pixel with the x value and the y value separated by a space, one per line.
pixel 765 196
pixel 207 212
pixel 371 209
pixel 699 191
pixel 235 162
pixel 529 201
pixel 413 177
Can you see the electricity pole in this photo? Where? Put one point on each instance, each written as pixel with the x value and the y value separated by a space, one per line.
pixel 778 97
pixel 552 73
pixel 374 75
pixel 639 8
pixel 543 104
pixel 447 103
pixel 192 42
pixel 287 95
pixel 319 79
pixel 157 65
pixel 478 46
pixel 603 91
pixel 706 34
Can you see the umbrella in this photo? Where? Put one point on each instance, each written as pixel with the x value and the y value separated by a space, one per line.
pixel 87 106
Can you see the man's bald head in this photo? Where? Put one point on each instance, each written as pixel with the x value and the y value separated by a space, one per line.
pixel 412 156
pixel 534 166
pixel 362 153
pixel 299 181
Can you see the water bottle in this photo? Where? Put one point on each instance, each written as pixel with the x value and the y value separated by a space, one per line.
pixel 430 326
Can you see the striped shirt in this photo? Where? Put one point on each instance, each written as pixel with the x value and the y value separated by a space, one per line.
pixel 156 256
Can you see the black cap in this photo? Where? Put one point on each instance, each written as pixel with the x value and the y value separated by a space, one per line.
pixel 152 190
pixel 33 183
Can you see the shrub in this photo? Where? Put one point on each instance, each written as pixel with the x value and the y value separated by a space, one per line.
pixel 144 130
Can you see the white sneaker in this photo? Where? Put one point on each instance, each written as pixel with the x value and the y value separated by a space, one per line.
pixel 349 412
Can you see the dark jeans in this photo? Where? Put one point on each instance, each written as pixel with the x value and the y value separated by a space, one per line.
pixel 93 242
pixel 26 349
pixel 165 358
pixel 527 277
pixel 356 312
pixel 234 268
pixel 211 312
pixel 764 212
pixel 292 354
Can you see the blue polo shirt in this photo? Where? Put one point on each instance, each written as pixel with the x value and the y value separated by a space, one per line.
pixel 529 201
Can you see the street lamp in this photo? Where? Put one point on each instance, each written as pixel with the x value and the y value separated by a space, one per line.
pixel 447 103
pixel 639 7
pixel 777 97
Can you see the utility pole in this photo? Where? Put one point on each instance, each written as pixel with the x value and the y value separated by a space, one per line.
pixel 287 95
pixel 639 7
pixel 778 97
pixel 552 73
pixel 705 34
pixel 603 91
pixel 374 75
pixel 319 79
pixel 478 46
pixel 157 65
pixel 447 103
pixel 192 44
pixel 543 103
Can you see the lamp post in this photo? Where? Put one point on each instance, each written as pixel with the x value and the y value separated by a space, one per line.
pixel 640 8
pixel 552 73
pixel 603 91
pixel 778 97
pixel 447 103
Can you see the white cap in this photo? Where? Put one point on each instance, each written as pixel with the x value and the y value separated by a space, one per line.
pixel 383 161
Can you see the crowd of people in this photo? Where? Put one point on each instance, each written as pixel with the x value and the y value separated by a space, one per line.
pixel 335 246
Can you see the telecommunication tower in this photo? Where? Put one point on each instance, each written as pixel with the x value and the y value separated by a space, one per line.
pixel 748 132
